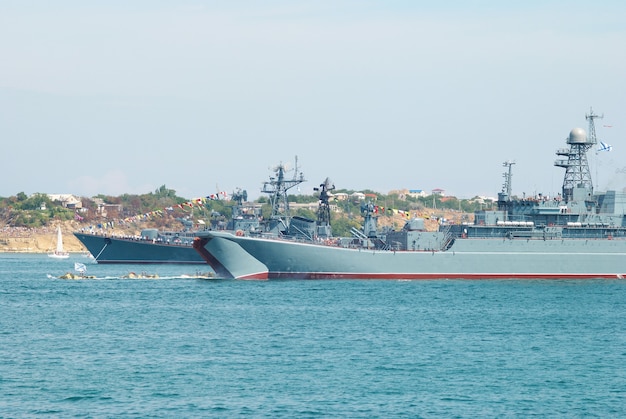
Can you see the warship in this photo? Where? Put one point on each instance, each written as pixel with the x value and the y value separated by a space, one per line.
pixel 150 246
pixel 579 234
pixel 153 246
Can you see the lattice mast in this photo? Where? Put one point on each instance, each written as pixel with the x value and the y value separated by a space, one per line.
pixel 592 126
pixel 577 173
pixel 278 186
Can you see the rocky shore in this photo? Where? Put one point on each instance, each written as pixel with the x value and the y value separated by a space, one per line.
pixel 39 240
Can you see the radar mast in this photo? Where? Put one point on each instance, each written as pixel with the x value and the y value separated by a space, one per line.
pixel 323 211
pixel 577 173
pixel 277 188
pixel 505 195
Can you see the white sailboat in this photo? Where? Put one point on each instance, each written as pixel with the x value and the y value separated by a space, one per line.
pixel 59 253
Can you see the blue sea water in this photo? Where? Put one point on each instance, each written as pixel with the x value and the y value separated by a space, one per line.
pixel 180 347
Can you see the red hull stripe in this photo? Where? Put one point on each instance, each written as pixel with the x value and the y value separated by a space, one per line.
pixel 427 276
pixel 262 276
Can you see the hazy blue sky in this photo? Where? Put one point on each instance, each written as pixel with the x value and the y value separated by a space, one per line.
pixel 124 96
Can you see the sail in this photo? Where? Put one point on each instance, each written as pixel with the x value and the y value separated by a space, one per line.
pixel 59 252
pixel 59 241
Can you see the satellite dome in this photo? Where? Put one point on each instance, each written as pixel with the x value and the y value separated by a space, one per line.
pixel 577 136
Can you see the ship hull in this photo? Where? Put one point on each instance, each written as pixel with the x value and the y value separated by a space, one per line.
pixel 119 250
pixel 258 258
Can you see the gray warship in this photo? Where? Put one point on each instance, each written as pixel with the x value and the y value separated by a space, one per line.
pixel 154 246
pixel 579 234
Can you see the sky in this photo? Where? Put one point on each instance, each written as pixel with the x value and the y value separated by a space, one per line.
pixel 206 96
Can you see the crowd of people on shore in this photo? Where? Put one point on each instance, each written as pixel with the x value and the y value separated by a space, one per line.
pixel 25 232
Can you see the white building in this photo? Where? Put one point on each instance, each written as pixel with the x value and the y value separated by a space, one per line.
pixel 67 200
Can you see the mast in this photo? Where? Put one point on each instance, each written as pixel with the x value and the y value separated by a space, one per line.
pixel 504 197
pixel 323 210
pixel 507 188
pixel 592 133
pixel 592 127
pixel 277 188
pixel 577 173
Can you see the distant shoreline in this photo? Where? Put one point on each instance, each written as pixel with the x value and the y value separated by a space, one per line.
pixel 43 239
pixel 39 240
pixel 38 243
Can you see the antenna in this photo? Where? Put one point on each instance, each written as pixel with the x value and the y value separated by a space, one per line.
pixel 277 188
pixel 592 136
pixel 592 127
pixel 507 187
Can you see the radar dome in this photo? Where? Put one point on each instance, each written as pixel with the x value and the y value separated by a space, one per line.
pixel 577 136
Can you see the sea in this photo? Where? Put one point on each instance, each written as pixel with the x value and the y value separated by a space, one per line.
pixel 178 346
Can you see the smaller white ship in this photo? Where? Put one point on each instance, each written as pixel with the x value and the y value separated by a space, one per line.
pixel 59 253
